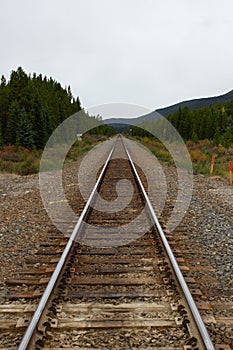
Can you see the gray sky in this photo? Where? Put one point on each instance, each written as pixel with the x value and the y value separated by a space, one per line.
pixel 146 52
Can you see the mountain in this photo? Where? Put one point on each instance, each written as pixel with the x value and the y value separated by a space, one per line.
pixel 121 123
pixel 197 103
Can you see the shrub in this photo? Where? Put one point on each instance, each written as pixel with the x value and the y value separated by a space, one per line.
pixel 28 167
pixel 197 156
pixel 19 160
pixel 221 149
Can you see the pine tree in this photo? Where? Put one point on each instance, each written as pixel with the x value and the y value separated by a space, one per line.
pixel 12 123
pixel 19 88
pixel 1 138
pixel 4 105
pixel 32 106
pixel 194 137
pixel 40 126
pixel 24 134
pixel 217 137
pixel 228 138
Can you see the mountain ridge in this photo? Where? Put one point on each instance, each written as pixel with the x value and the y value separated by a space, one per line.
pixel 197 103
pixel 122 123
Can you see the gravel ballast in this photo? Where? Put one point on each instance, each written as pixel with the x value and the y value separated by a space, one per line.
pixel 24 223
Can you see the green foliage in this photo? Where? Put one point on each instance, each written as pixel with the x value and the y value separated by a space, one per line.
pixel 228 138
pixel 217 137
pixel 102 130
pixel 194 137
pixel 40 102
pixel 138 131
pixel 214 123
pixel 32 107
pixel 24 133
pixel 1 139
pixel 12 123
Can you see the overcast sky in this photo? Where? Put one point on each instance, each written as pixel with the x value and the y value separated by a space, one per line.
pixel 151 53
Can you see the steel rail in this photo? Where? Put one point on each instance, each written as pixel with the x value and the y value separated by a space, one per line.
pixel 61 263
pixel 188 296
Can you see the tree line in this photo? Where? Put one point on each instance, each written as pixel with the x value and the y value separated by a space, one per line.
pixel 32 106
pixel 214 123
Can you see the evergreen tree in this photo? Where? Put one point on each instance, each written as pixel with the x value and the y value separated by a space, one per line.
pixel 19 88
pixel 12 123
pixel 4 105
pixel 40 125
pixel 194 137
pixel 44 101
pixel 24 134
pixel 228 138
pixel 217 137
pixel 1 139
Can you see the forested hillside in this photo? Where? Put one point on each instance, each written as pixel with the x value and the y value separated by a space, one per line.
pixel 208 133
pixel 213 123
pixel 31 107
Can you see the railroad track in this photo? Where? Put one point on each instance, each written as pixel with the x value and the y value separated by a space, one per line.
pixel 120 290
